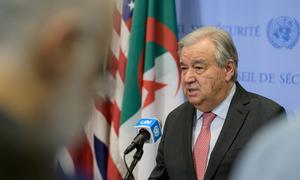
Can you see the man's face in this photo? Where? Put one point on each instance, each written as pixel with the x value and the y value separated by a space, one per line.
pixel 203 81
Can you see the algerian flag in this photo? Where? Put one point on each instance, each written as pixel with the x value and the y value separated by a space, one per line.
pixel 152 83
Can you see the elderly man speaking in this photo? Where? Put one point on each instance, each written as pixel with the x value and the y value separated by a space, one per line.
pixel 203 136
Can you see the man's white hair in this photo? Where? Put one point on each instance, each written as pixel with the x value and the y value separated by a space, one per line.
pixel 225 49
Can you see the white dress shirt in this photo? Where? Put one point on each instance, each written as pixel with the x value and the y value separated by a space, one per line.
pixel 216 126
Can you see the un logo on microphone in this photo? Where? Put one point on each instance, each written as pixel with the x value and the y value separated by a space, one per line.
pixel 156 131
pixel 283 32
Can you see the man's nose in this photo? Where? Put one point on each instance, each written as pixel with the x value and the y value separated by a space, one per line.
pixel 189 76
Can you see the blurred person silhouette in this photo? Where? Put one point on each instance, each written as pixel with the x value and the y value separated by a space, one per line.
pixel 272 154
pixel 52 64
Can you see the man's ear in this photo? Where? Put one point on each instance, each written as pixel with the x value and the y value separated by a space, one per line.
pixel 53 58
pixel 229 70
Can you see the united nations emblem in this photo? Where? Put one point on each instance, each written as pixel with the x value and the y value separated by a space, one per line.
pixel 283 32
pixel 156 131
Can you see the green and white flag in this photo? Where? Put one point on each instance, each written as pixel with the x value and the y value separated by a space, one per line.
pixel 152 84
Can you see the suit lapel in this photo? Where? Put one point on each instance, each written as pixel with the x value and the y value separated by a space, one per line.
pixel 187 118
pixel 235 118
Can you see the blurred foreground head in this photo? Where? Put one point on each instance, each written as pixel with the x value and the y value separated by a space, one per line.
pixel 52 59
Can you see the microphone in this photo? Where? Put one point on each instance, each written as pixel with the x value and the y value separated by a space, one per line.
pixel 149 131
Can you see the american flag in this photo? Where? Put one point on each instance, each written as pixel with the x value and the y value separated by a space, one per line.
pixel 97 155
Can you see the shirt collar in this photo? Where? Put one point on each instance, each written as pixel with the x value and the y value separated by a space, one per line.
pixel 222 109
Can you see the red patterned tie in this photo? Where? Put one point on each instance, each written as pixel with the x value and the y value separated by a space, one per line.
pixel 201 147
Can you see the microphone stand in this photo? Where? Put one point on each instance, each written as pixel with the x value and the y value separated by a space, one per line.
pixel 136 157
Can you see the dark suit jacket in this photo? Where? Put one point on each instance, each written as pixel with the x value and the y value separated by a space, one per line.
pixel 247 113
pixel 20 158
